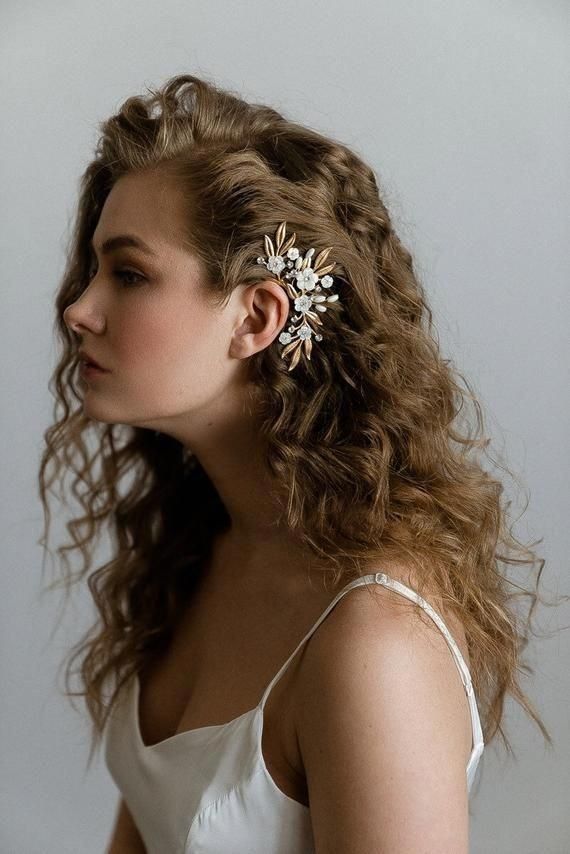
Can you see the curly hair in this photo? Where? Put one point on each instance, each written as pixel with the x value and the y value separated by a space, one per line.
pixel 366 436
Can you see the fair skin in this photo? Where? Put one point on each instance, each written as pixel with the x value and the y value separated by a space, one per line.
pixel 177 364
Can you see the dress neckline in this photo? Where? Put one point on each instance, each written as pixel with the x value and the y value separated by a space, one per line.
pixel 135 710
pixel 378 578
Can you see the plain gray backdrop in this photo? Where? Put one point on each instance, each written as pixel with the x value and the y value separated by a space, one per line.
pixel 461 109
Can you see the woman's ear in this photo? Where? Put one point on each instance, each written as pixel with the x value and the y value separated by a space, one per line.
pixel 263 311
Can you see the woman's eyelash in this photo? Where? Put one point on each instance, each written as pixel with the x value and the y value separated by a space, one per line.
pixel 122 274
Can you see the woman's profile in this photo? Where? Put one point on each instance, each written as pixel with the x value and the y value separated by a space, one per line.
pixel 306 631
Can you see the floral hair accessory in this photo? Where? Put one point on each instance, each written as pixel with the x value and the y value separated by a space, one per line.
pixel 306 296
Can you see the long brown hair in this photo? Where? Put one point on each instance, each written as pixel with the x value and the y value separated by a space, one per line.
pixel 366 435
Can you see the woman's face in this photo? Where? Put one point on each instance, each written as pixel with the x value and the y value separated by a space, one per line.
pixel 145 318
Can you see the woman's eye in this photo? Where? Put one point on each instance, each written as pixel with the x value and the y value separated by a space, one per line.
pixel 123 275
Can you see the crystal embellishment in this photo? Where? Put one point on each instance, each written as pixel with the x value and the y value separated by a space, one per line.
pixel 300 281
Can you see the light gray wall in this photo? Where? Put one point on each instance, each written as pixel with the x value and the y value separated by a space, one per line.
pixel 461 108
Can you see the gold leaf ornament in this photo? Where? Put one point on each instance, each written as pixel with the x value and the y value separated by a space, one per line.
pixel 308 293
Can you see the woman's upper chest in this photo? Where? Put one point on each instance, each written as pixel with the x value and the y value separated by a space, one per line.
pixel 223 654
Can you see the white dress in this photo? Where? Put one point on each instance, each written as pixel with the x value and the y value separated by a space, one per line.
pixel 208 791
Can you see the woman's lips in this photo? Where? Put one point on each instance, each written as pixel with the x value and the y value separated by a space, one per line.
pixel 90 370
pixel 87 359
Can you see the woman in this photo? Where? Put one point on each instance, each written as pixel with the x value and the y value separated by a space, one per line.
pixel 304 598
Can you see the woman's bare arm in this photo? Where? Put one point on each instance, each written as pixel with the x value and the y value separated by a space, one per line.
pixel 126 838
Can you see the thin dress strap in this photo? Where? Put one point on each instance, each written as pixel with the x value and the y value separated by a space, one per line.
pixel 393 584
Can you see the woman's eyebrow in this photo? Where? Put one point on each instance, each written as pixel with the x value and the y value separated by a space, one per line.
pixel 120 240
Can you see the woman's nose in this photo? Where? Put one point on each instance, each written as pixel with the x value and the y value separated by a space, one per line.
pixel 69 320
pixel 78 317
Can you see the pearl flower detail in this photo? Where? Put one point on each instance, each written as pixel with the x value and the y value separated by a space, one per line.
pixel 303 303
pixel 306 279
pixel 275 263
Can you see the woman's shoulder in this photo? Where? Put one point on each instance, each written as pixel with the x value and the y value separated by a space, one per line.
pixel 375 611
